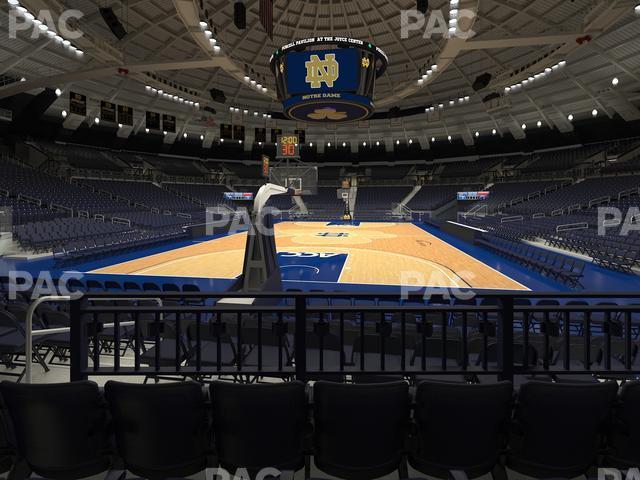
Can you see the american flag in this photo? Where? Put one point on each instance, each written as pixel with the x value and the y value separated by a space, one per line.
pixel 266 16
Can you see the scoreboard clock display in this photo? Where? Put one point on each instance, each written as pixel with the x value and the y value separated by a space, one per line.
pixel 288 146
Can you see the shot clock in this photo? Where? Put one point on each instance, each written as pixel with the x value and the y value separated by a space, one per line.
pixel 288 147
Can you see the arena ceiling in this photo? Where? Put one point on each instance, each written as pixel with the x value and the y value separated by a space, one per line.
pixel 598 40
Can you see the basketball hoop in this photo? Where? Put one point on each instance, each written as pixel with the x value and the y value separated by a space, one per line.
pixel 299 177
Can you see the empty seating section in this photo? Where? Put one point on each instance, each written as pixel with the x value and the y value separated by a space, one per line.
pixel 397 172
pixel 505 193
pixel 44 236
pixel 613 251
pixel 145 194
pixel 134 160
pixel 348 431
pixel 244 171
pixel 561 159
pixel 326 172
pixel 432 197
pixel 554 265
pixel 283 202
pixel 54 213
pixel 207 195
pixel 580 194
pixel 50 191
pixel 247 188
pixel 620 147
pixel 81 157
pixel 25 212
pixel 377 201
pixel 324 203
pixel 475 168
pixel 579 232
pixel 630 165
pixel 50 213
pixel 512 161
pixel 173 165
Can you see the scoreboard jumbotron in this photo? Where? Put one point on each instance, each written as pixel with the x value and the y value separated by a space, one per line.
pixel 327 79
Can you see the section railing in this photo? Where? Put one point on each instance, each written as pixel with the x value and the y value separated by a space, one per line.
pixel 330 335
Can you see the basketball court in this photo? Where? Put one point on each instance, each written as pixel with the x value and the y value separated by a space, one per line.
pixel 320 252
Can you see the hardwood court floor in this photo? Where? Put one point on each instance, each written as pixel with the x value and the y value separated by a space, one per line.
pixel 373 254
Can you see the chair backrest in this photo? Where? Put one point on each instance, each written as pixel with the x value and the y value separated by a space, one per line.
pixel 558 427
pixel 150 287
pixel 8 320
pixel 113 286
pixel 259 426
pixel 360 430
pixel 460 427
pixel 625 435
pixel 131 287
pixel 161 430
pixel 60 430
pixel 190 288
pixel 170 287
pixel 6 449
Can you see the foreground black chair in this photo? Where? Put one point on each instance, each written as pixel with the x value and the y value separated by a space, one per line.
pixel 60 430
pixel 260 426
pixel 360 430
pixel 625 434
pixel 558 428
pixel 6 450
pixel 460 427
pixel 162 430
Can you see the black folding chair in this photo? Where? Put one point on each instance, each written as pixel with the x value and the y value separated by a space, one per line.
pixel 624 444
pixel 460 428
pixel 360 430
pixel 60 430
pixel 558 428
pixel 161 430
pixel 260 426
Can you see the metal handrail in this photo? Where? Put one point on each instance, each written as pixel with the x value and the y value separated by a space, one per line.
pixel 515 218
pixel 572 226
pixel 503 334
pixel 30 333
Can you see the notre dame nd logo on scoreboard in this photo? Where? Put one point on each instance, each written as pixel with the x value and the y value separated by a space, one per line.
pixel 319 71
pixel 323 71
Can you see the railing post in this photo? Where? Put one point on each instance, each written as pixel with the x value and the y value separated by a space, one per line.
pixel 505 339
pixel 79 343
pixel 301 338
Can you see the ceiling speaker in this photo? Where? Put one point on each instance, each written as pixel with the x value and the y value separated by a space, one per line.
pixel 113 23
pixel 482 82
pixel 218 95
pixel 240 15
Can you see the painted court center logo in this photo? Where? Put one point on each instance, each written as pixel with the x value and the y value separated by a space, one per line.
pixel 333 234
pixel 325 71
